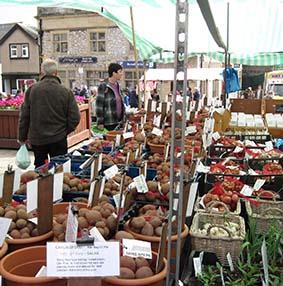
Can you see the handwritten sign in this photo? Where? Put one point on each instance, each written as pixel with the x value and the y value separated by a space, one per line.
pixel 128 135
pixel 247 191
pixel 156 131
pixel 94 232
pixel 141 184
pixel 58 186
pixel 72 226
pixel 4 227
pixel 137 248
pixel 111 172
pixel 69 260
pixel 32 194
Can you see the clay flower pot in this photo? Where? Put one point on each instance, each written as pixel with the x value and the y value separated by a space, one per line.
pixel 155 240
pixel 20 267
pixel 18 243
pixel 155 280
pixel 62 208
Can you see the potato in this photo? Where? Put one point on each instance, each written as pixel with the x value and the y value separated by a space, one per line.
pixel 61 218
pixel 144 272
pixel 123 234
pixel 21 223
pixel 11 214
pixel 111 222
pixel 25 229
pixel 126 273
pixel 74 182
pixel 58 229
pixel 138 222
pixel 25 235
pixel 106 212
pixel 128 262
pixel 12 226
pixel 83 222
pixel 158 231
pixel 140 262
pixel 93 217
pixel 2 211
pixel 15 233
pixel 83 211
pixel 101 224
pixel 155 221
pixel 147 229
pixel 21 213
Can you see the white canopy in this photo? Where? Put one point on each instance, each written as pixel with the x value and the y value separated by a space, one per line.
pixel 192 74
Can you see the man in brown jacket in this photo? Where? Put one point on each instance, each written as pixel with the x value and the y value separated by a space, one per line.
pixel 49 113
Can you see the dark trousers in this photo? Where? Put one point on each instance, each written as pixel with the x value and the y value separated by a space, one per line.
pixel 41 152
pixel 111 127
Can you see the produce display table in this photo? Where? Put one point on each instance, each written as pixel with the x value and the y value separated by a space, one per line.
pixel 9 128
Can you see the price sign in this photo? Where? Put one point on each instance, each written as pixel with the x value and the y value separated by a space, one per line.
pixel 4 227
pixel 128 135
pixel 190 130
pixel 141 184
pixel 1 185
pixel 238 149
pixel 247 191
pixel 32 194
pixel 58 186
pixel 157 131
pixel 67 166
pixel 111 172
pixel 118 140
pixel 117 198
pixel 94 232
pixel 156 120
pixel 269 146
pixel 91 192
pixel 137 248
pixel 258 184
pixel 197 266
pixel 192 197
pixel 216 136
pixel 72 226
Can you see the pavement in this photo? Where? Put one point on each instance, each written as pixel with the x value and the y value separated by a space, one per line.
pixel 8 157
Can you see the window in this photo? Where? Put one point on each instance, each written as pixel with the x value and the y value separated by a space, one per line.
pixel 97 42
pixel 130 78
pixel 60 43
pixel 25 51
pixel 94 78
pixel 13 51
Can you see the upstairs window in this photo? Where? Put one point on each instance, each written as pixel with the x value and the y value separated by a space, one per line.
pixel 60 43
pixel 13 51
pixel 25 51
pixel 97 42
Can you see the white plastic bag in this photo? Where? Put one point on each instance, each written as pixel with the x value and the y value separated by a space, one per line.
pixel 22 157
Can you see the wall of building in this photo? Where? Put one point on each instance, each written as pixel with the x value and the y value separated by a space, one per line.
pixel 27 66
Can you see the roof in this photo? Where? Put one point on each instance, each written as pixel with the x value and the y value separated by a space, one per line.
pixel 7 29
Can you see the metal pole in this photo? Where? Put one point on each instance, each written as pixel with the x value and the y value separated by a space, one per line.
pixel 40 33
pixel 135 53
pixel 227 61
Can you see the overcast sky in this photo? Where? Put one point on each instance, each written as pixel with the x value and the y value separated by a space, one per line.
pixel 11 14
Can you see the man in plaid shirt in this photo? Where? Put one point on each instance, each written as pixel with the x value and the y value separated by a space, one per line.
pixel 110 108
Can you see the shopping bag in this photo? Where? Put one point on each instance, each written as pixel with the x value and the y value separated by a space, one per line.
pixel 22 157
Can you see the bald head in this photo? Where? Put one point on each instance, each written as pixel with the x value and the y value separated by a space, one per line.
pixel 49 67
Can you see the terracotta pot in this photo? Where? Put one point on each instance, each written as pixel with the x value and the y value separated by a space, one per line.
pixel 20 267
pixel 62 208
pixel 155 280
pixel 111 135
pixel 156 148
pixel 3 249
pixel 18 243
pixel 155 240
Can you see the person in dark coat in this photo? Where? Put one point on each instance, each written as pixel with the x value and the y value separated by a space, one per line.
pixel 133 98
pixel 49 113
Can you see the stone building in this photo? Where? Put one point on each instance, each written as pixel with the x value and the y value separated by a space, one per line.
pixel 84 43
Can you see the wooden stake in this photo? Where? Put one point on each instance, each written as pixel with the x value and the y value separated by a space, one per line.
pixel 8 185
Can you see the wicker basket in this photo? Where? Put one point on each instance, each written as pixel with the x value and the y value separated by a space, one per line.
pixel 218 245
pixel 209 209
pixel 268 212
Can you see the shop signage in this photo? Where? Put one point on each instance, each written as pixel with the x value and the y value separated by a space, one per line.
pixel 132 64
pixel 78 60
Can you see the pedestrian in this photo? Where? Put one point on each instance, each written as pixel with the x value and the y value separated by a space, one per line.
pixel 133 98
pixel 110 109
pixel 49 113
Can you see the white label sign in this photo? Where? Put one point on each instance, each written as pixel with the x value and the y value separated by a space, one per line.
pixel 99 166
pixel 137 248
pixel 69 260
pixel 118 140
pixel 116 199
pixel 258 184
pixel 94 232
pixel 42 272
pixel 4 227
pixel 269 146
pixel 128 135
pixel 216 136
pixel 197 265
pixel 238 149
pixel 157 131
pixel 190 130
pixel 67 166
pixel 72 226
pixel 102 187
pixel 141 184
pixel 230 261
pixel 32 194
pixel 58 186
pixel 17 179
pixel 111 172
pixel 90 195
pixel 265 262
pixel 247 191
pixel 202 169
pixel 192 197
pixel 1 185
pixel 156 120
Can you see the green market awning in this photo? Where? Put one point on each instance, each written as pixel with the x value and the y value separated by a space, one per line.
pixel 256 26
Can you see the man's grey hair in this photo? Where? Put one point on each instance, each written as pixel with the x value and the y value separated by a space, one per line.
pixel 49 67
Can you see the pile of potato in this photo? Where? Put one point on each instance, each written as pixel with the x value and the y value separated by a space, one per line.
pixel 74 184
pixel 134 268
pixel 108 160
pixel 112 186
pixel 26 177
pixel 149 222
pixel 101 216
pixel 97 145
pixel 131 145
pixel 20 227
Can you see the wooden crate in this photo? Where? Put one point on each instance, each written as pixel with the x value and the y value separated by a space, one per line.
pixel 9 128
